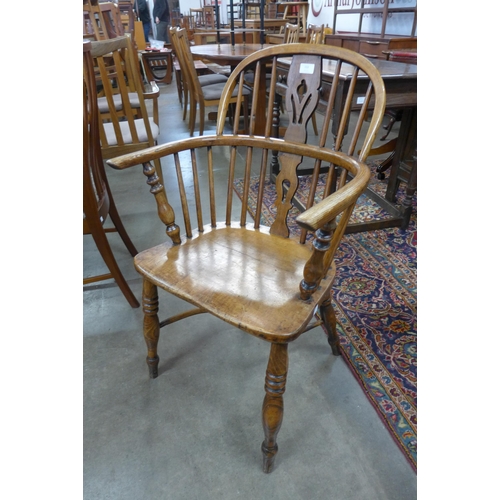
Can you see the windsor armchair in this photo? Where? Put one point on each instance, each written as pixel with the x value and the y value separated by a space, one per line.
pixel 264 278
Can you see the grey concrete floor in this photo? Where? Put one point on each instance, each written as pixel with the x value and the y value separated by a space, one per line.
pixel 195 431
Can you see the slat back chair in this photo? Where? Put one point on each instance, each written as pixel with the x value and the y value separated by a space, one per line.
pixel 94 20
pixel 207 78
pixel 98 201
pixel 256 272
pixel 291 33
pixel 110 17
pixel 201 96
pixel 315 33
pixel 126 126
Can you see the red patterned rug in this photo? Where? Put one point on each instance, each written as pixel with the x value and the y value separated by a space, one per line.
pixel 375 300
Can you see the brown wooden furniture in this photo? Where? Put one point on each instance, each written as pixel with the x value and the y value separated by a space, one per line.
pixel 106 24
pixel 315 33
pixel 253 27
pixel 158 65
pixel 369 45
pixel 255 277
pixel 401 92
pixel 204 76
pixel 232 55
pixel 291 33
pixel 201 96
pixel 296 13
pixel 98 201
pixel 126 125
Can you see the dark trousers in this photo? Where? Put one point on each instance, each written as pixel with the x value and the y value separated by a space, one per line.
pixel 147 28
pixel 162 31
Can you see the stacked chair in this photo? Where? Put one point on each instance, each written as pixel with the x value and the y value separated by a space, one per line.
pixel 266 279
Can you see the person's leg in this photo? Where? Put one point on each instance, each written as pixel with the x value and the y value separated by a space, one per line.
pixel 147 29
pixel 162 31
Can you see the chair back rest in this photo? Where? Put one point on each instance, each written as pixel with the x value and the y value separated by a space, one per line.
pixel 118 76
pixel 292 32
pixel 351 83
pixel 94 20
pixel 180 41
pixel 349 89
pixel 95 193
pixel 113 19
pixel 315 33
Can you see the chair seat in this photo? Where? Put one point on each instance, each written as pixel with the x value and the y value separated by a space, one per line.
pixel 102 102
pixel 213 92
pixel 259 296
pixel 211 79
pixel 125 129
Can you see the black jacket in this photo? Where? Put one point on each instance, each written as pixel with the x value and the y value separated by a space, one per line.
pixel 161 11
pixel 144 14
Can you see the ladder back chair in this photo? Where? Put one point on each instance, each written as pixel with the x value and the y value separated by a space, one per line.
pixel 291 33
pixel 207 78
pixel 98 201
pixel 268 274
pixel 124 122
pixel 201 96
pixel 110 17
pixel 315 33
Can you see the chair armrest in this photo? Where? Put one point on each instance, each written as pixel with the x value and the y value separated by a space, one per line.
pixel 151 91
pixel 327 210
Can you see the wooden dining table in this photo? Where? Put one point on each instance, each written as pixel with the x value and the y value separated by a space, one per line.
pixel 226 54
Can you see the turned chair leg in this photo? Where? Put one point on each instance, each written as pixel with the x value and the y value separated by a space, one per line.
pixel 151 327
pixel 330 321
pixel 272 408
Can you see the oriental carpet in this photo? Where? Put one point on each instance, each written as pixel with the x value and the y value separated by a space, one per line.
pixel 375 301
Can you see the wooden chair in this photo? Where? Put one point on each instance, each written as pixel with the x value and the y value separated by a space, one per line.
pixel 205 77
pixel 200 95
pixel 291 33
pixel 125 125
pixel 253 276
pixel 95 22
pixel 109 16
pixel 98 201
pixel 315 33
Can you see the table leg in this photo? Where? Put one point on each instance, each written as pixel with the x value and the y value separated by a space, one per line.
pixel 405 148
